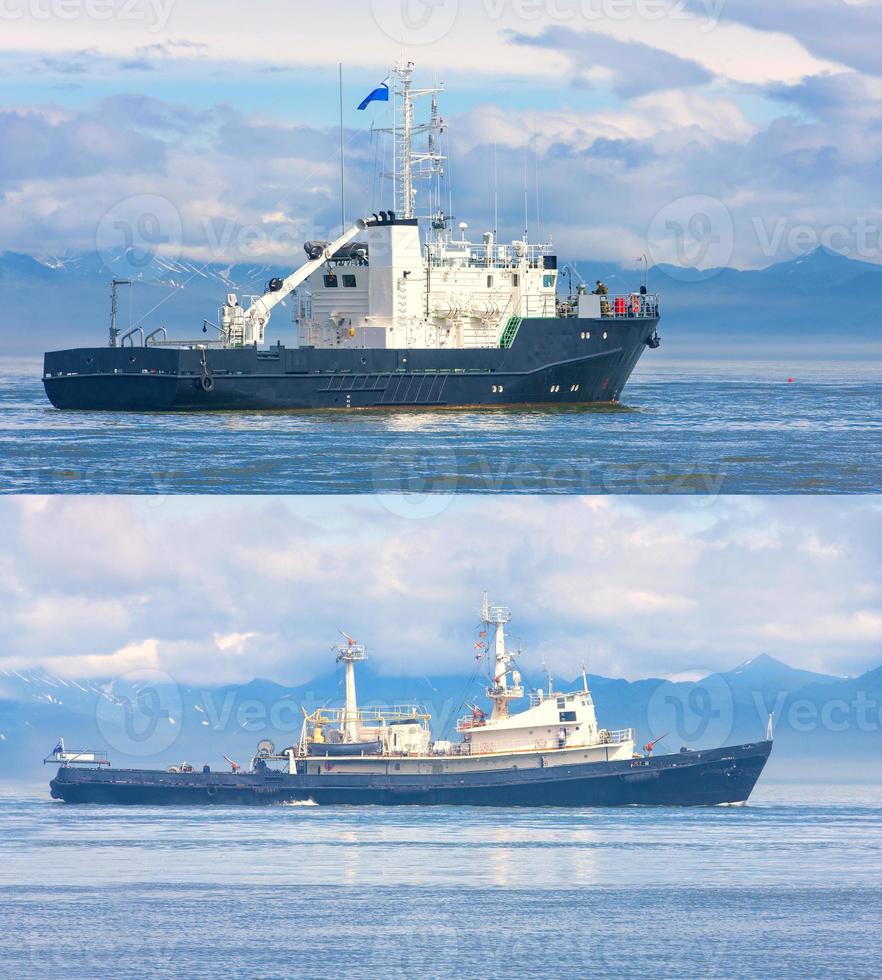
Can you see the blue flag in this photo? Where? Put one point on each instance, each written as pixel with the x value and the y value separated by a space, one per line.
pixel 380 94
pixel 58 748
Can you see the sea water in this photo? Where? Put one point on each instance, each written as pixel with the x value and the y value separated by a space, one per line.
pixel 696 427
pixel 788 886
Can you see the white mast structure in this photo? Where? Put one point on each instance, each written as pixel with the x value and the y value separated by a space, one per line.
pixel 409 163
pixel 413 291
pixel 499 691
pixel 349 654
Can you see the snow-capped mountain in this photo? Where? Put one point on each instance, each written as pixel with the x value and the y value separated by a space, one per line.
pixel 820 720
pixel 59 301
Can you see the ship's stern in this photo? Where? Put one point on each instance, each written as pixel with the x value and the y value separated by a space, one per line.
pixel 112 378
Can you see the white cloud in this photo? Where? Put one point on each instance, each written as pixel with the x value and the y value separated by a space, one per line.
pixel 608 164
pixel 370 34
pixel 633 587
pixel 141 655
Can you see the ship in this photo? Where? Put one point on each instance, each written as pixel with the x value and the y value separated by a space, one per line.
pixel 402 311
pixel 551 753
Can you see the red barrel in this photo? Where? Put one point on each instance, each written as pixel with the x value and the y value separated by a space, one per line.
pixel 620 306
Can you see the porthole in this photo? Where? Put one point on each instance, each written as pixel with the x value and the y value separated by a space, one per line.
pixel 605 335
pixel 587 336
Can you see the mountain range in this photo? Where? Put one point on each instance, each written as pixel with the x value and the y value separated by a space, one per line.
pixel 822 299
pixel 821 722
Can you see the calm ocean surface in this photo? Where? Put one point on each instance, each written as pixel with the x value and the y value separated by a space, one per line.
pixel 787 887
pixel 685 427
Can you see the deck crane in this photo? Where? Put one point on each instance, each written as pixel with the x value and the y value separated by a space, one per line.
pixel 242 328
pixel 649 748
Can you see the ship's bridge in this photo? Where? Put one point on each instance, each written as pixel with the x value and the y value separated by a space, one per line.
pixel 553 721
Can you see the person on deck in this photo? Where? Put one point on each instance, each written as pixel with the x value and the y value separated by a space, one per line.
pixel 601 289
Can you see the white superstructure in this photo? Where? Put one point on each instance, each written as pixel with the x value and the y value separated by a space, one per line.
pixel 399 288
pixel 554 729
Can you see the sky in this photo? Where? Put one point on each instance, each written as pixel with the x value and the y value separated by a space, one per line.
pixel 704 132
pixel 223 590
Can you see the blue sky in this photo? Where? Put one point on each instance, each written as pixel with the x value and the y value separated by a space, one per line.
pixel 225 589
pixel 638 114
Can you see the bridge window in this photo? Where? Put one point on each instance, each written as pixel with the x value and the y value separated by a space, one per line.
pixel 331 282
pixel 548 282
pixel 567 715
pixel 349 282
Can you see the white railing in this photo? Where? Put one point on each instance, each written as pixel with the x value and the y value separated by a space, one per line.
pixel 606 737
pixel 620 307
pixel 470 722
pixel 495 256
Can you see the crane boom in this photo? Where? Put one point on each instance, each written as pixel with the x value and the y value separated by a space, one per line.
pixel 250 324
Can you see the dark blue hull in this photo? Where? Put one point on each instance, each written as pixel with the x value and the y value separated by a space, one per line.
pixel 706 778
pixel 560 361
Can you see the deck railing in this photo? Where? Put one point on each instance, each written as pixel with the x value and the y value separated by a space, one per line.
pixel 624 306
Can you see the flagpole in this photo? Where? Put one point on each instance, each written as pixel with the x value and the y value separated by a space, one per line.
pixel 342 157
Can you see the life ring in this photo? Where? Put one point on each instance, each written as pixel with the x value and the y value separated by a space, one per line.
pixel 207 383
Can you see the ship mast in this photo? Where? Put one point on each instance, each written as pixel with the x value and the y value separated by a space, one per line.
pixel 499 690
pixel 349 654
pixel 409 163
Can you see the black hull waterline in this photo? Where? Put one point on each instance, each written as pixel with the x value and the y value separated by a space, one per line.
pixel 560 361
pixel 706 778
